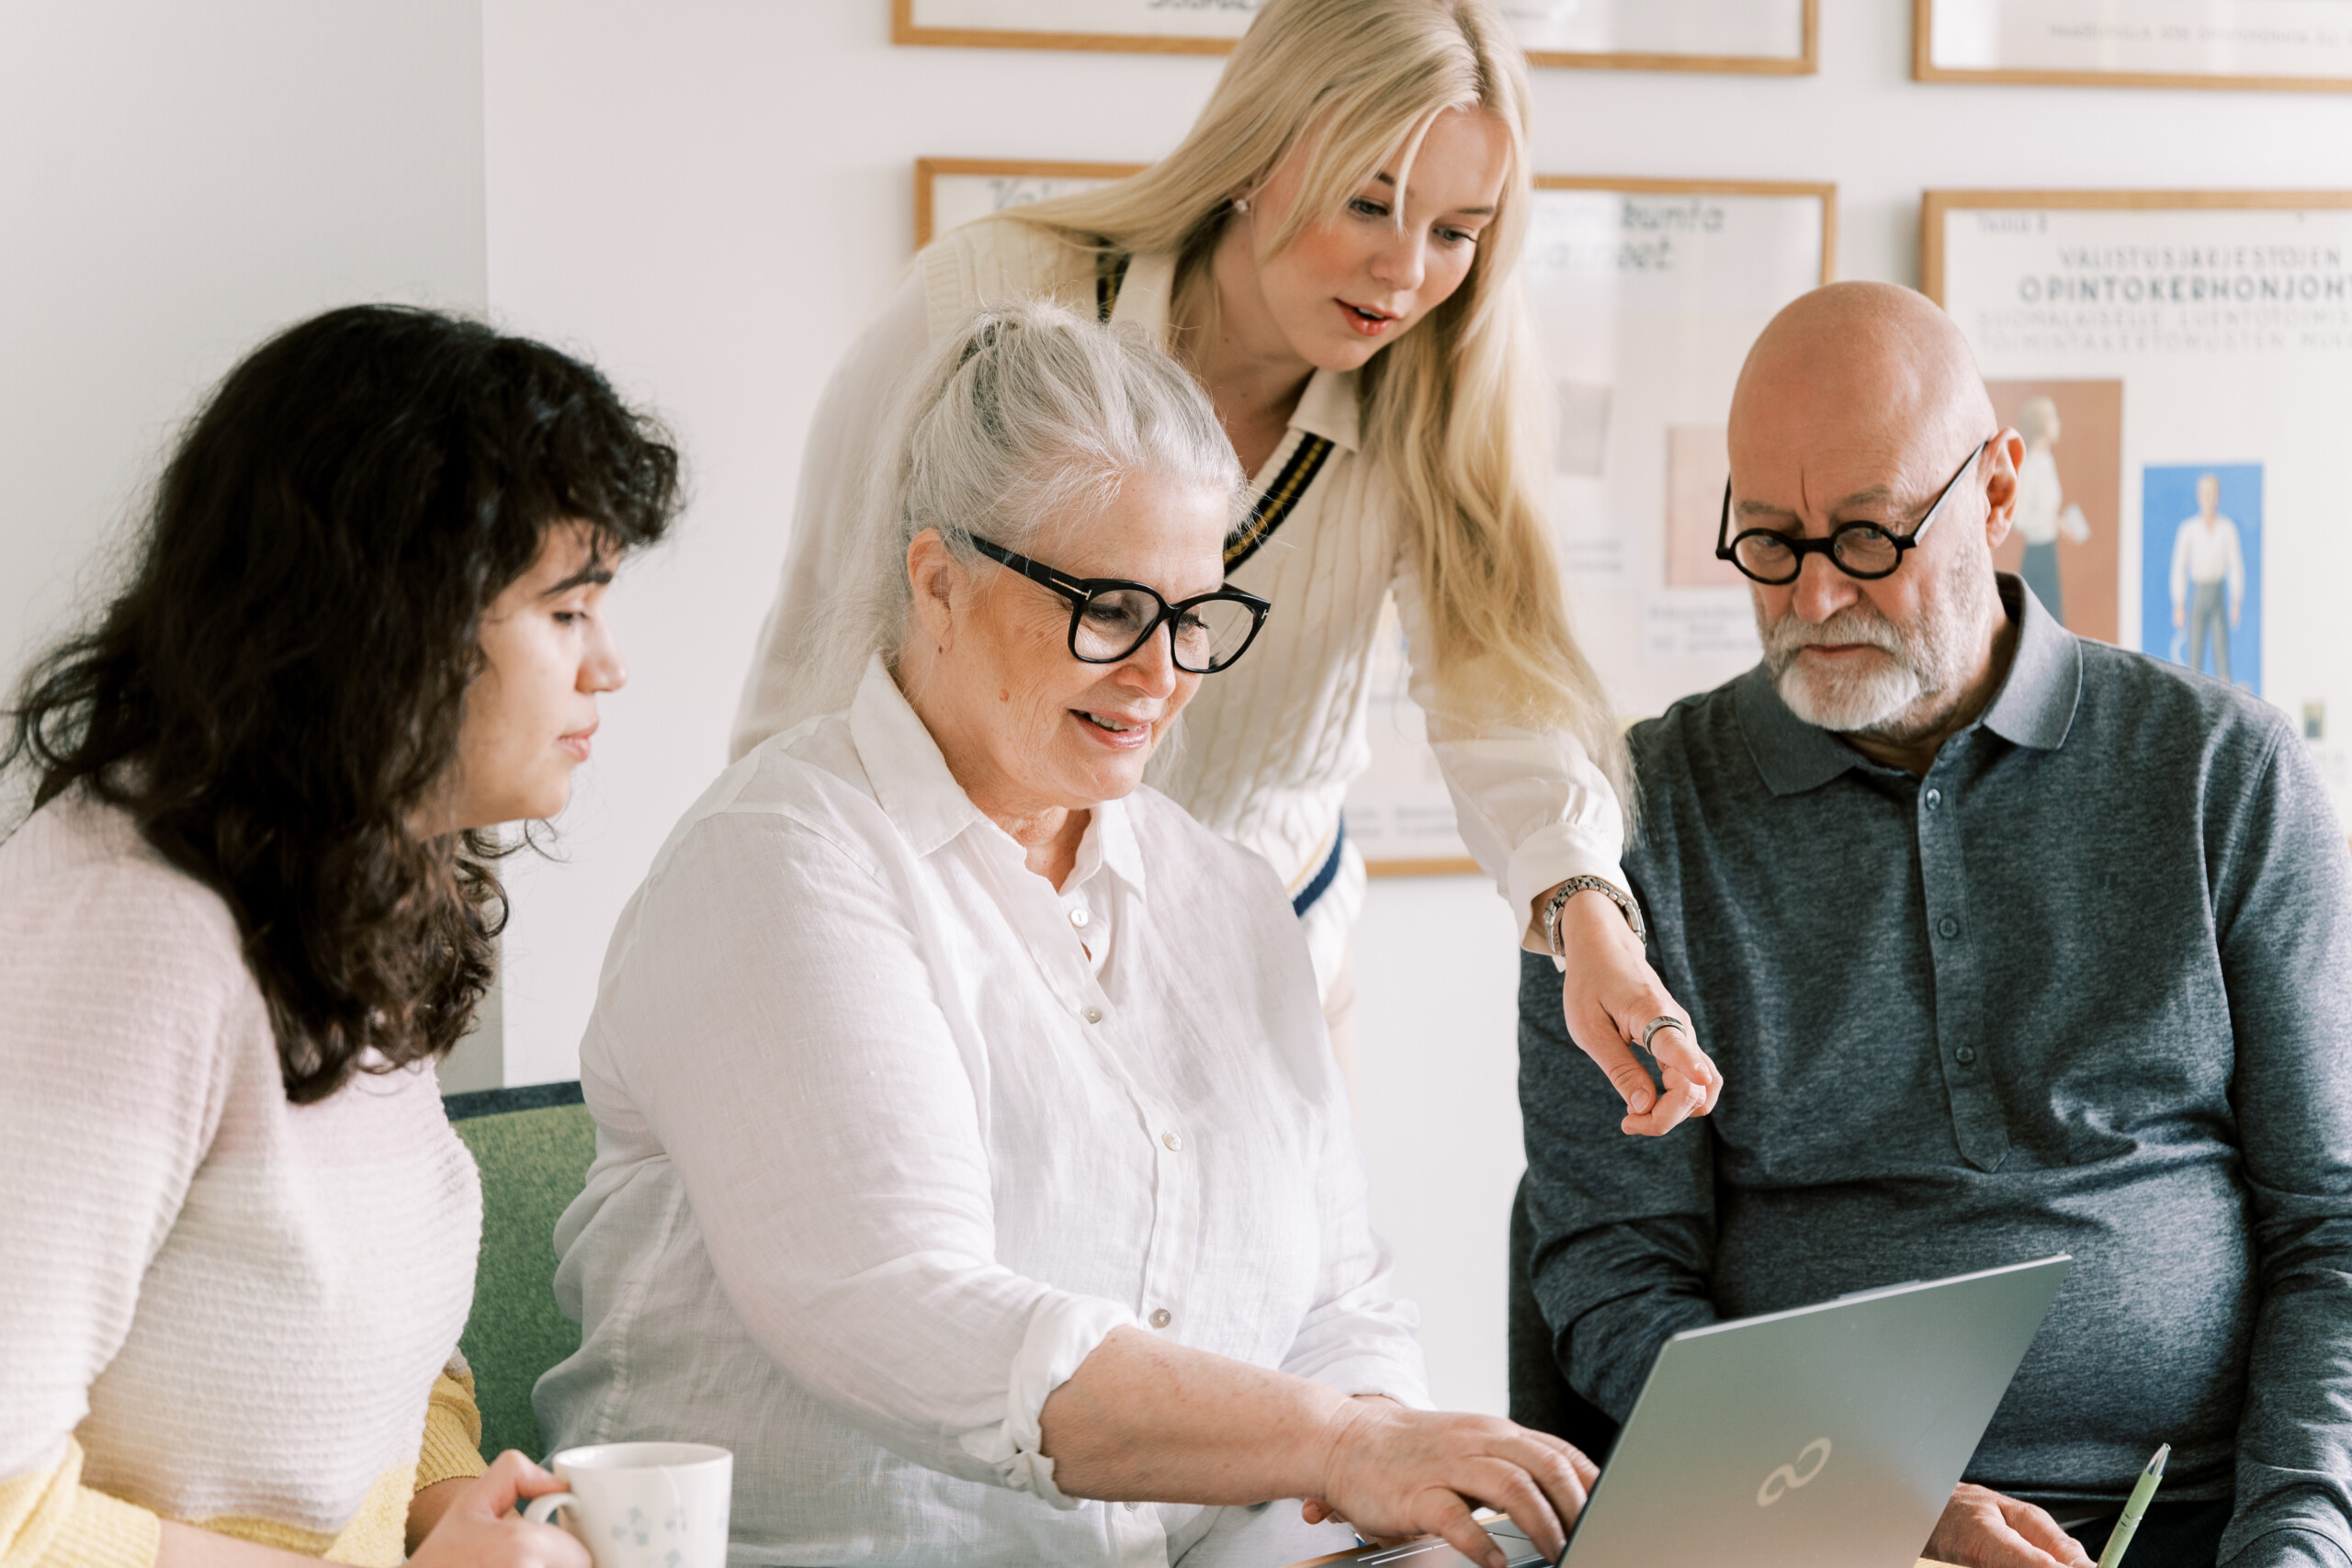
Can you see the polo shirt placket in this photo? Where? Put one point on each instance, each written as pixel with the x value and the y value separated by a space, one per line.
pixel 1963 1046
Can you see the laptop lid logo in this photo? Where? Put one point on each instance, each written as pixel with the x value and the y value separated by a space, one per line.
pixel 1788 1477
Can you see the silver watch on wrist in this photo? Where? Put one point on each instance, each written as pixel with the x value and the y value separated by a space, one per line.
pixel 1600 885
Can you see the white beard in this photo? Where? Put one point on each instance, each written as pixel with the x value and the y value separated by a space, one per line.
pixel 1920 661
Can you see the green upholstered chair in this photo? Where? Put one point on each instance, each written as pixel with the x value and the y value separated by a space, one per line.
pixel 534 1146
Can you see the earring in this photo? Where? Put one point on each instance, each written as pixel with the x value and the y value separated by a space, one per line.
pixel 1241 205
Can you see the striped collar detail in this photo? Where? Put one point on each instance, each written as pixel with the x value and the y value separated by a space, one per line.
pixel 1110 272
pixel 1281 499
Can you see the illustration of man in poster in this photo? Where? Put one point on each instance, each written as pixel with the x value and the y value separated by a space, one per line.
pixel 2208 567
pixel 2042 513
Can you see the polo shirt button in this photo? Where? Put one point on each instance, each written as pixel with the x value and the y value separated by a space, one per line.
pixel 1079 919
pixel 1965 1056
pixel 1128 1507
pixel 1946 927
pixel 1161 1317
pixel 1091 1015
pixel 1935 798
pixel 1173 1141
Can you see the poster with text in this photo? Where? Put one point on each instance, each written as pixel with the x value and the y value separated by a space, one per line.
pixel 1645 301
pixel 2225 319
pixel 1645 297
pixel 2177 42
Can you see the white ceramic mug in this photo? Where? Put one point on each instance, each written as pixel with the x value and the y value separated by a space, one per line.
pixel 644 1504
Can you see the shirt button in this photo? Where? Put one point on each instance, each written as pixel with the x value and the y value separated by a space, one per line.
pixel 1091 1015
pixel 1965 1056
pixel 1948 926
pixel 1935 799
pixel 1161 1317
pixel 1173 1141
pixel 1079 919
pixel 1128 1507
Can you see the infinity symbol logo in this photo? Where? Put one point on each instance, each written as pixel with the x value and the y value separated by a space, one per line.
pixel 1788 1477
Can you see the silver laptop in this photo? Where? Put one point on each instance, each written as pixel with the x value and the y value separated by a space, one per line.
pixel 1821 1437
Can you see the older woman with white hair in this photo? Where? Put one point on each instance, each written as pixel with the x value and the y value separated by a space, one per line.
pixel 970 1158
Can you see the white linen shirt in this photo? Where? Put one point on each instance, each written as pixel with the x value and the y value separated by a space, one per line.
pixel 1270 746
pixel 882 1154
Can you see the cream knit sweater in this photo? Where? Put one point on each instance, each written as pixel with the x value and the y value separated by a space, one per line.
pixel 215 1306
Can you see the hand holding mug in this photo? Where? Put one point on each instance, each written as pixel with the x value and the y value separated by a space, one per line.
pixel 480 1529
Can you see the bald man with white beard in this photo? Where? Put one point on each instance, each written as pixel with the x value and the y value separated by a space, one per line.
pixel 2009 943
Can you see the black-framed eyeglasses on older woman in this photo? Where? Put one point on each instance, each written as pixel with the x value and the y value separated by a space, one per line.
pixel 1109 619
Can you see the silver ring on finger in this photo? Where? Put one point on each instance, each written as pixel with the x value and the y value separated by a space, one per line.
pixel 1664 1021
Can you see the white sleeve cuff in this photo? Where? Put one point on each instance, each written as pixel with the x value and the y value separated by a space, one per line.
pixel 1548 857
pixel 1063 1331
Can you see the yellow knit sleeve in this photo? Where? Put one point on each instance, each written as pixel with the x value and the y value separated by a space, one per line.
pixel 452 1445
pixel 49 1519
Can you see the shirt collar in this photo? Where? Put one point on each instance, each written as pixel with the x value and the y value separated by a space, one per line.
pixel 904 765
pixel 2037 703
pixel 1327 407
pixel 2035 706
pixel 916 791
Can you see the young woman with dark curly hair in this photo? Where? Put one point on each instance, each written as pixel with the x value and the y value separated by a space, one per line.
pixel 254 901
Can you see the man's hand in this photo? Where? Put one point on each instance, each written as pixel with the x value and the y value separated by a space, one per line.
pixel 1981 1528
pixel 1608 996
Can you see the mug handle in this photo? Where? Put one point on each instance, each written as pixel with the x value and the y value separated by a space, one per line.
pixel 542 1509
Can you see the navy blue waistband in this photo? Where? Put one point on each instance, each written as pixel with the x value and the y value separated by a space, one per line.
pixel 1325 875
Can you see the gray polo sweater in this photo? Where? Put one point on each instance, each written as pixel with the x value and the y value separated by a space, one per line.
pixel 2085 987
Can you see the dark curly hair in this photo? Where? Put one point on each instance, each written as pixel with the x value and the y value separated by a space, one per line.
pixel 280 688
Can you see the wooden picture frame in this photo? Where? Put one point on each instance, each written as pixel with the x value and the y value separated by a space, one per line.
pixel 1925 69
pixel 906 30
pixel 929 172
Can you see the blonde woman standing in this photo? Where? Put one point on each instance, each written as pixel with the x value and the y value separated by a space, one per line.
pixel 1331 251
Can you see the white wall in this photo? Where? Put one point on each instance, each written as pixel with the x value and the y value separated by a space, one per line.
pixel 710 193
pixel 175 181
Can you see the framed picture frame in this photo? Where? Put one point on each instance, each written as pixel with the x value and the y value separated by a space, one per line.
pixel 950 192
pixel 2180 364
pixel 1748 37
pixel 2292 46
pixel 1646 294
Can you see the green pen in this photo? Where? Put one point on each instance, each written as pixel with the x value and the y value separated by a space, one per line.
pixel 2119 1541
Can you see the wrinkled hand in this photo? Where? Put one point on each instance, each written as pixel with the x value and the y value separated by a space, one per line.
pixel 1982 1528
pixel 1394 1474
pixel 481 1529
pixel 1609 994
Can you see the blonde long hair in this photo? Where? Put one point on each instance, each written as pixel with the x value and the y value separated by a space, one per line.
pixel 1456 408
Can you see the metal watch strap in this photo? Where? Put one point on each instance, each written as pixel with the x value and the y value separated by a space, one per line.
pixel 1600 885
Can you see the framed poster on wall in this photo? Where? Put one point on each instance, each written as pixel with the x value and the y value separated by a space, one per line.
pixel 1647 294
pixel 952 192
pixel 2180 364
pixel 1771 37
pixel 2299 45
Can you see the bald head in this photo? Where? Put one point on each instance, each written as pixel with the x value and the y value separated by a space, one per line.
pixel 1866 362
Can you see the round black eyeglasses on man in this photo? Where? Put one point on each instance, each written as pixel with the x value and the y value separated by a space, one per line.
pixel 1109 619
pixel 1861 548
